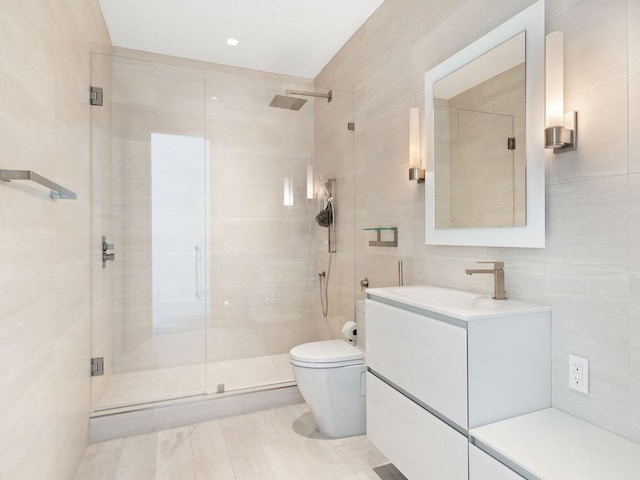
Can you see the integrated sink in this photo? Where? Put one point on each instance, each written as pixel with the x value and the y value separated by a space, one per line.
pixel 454 303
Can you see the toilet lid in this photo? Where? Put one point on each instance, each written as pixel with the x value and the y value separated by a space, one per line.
pixel 326 353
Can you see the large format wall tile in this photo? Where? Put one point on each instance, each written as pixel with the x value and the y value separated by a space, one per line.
pixel 587 272
pixel 45 311
pixel 587 222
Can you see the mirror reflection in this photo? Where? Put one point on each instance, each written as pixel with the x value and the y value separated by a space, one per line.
pixel 480 144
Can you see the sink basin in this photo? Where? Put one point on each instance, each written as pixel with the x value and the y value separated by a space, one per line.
pixel 454 303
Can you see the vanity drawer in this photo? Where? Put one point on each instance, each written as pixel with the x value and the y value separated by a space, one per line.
pixel 425 357
pixel 485 467
pixel 419 445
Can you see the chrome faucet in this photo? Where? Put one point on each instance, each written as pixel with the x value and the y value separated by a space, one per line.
pixel 498 278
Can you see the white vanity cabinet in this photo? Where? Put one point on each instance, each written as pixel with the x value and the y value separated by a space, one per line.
pixel 441 362
pixel 418 444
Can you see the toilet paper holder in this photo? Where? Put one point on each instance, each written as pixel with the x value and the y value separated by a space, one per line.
pixel 350 331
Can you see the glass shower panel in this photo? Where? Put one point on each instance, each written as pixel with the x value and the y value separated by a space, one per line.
pixel 262 283
pixel 157 182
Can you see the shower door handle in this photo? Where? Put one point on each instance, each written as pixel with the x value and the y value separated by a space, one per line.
pixel 197 272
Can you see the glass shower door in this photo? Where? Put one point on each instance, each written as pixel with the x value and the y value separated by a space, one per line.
pixel 149 175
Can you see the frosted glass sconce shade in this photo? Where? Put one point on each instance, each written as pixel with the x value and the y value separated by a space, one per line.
pixel 288 192
pixel 561 127
pixel 415 172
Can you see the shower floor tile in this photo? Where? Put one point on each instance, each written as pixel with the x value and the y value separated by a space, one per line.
pixel 135 388
pixel 249 372
pixel 273 444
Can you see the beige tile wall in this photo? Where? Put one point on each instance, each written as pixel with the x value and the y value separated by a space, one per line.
pixel 589 272
pixel 45 279
pixel 335 159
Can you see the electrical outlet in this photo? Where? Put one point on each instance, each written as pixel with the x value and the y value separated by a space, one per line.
pixel 579 374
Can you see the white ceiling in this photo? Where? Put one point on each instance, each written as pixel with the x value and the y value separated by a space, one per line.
pixel 292 37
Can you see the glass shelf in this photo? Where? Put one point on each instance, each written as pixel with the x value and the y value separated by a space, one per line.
pixel 378 242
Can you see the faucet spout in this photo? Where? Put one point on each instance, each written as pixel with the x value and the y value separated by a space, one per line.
pixel 498 278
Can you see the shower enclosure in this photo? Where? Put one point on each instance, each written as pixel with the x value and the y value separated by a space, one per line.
pixel 213 279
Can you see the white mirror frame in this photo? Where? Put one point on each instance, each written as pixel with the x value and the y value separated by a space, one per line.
pixel 532 235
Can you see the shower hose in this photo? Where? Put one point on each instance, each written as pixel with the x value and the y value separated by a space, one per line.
pixel 324 277
pixel 324 288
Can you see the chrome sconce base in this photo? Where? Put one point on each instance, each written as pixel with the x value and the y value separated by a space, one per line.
pixel 563 138
pixel 416 174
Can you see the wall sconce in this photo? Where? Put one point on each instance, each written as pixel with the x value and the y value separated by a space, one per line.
pixel 310 192
pixel 415 172
pixel 561 130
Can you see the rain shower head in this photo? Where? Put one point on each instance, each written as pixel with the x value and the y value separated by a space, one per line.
pixel 294 103
pixel 290 103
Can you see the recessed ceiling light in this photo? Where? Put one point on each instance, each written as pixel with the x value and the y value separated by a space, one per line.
pixel 232 41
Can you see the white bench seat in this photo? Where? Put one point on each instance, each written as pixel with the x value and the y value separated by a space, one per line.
pixel 552 445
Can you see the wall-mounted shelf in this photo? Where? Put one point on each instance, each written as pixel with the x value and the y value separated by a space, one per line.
pixel 378 242
pixel 58 192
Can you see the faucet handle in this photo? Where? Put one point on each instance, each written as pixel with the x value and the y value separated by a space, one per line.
pixel 496 265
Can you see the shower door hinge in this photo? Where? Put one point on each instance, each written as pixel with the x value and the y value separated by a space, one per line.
pixel 351 126
pixel 511 143
pixel 106 256
pixel 97 366
pixel 96 96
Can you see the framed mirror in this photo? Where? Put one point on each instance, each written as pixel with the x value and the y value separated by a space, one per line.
pixel 484 125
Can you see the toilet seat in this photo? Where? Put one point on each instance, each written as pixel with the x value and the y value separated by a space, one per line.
pixel 326 354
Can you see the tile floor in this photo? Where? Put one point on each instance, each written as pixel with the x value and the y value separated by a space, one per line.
pixel 280 444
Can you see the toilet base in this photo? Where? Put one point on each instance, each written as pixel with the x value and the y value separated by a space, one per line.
pixel 336 398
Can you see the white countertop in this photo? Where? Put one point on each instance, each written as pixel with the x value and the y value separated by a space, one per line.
pixel 551 445
pixel 455 303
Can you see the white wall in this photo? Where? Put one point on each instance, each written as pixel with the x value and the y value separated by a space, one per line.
pixel 45 269
pixel 589 272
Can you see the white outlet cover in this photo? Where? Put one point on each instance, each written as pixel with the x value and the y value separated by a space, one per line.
pixel 579 374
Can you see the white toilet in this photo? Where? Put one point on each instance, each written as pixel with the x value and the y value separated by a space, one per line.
pixel 331 378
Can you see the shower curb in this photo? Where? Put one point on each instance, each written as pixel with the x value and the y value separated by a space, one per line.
pixel 108 425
